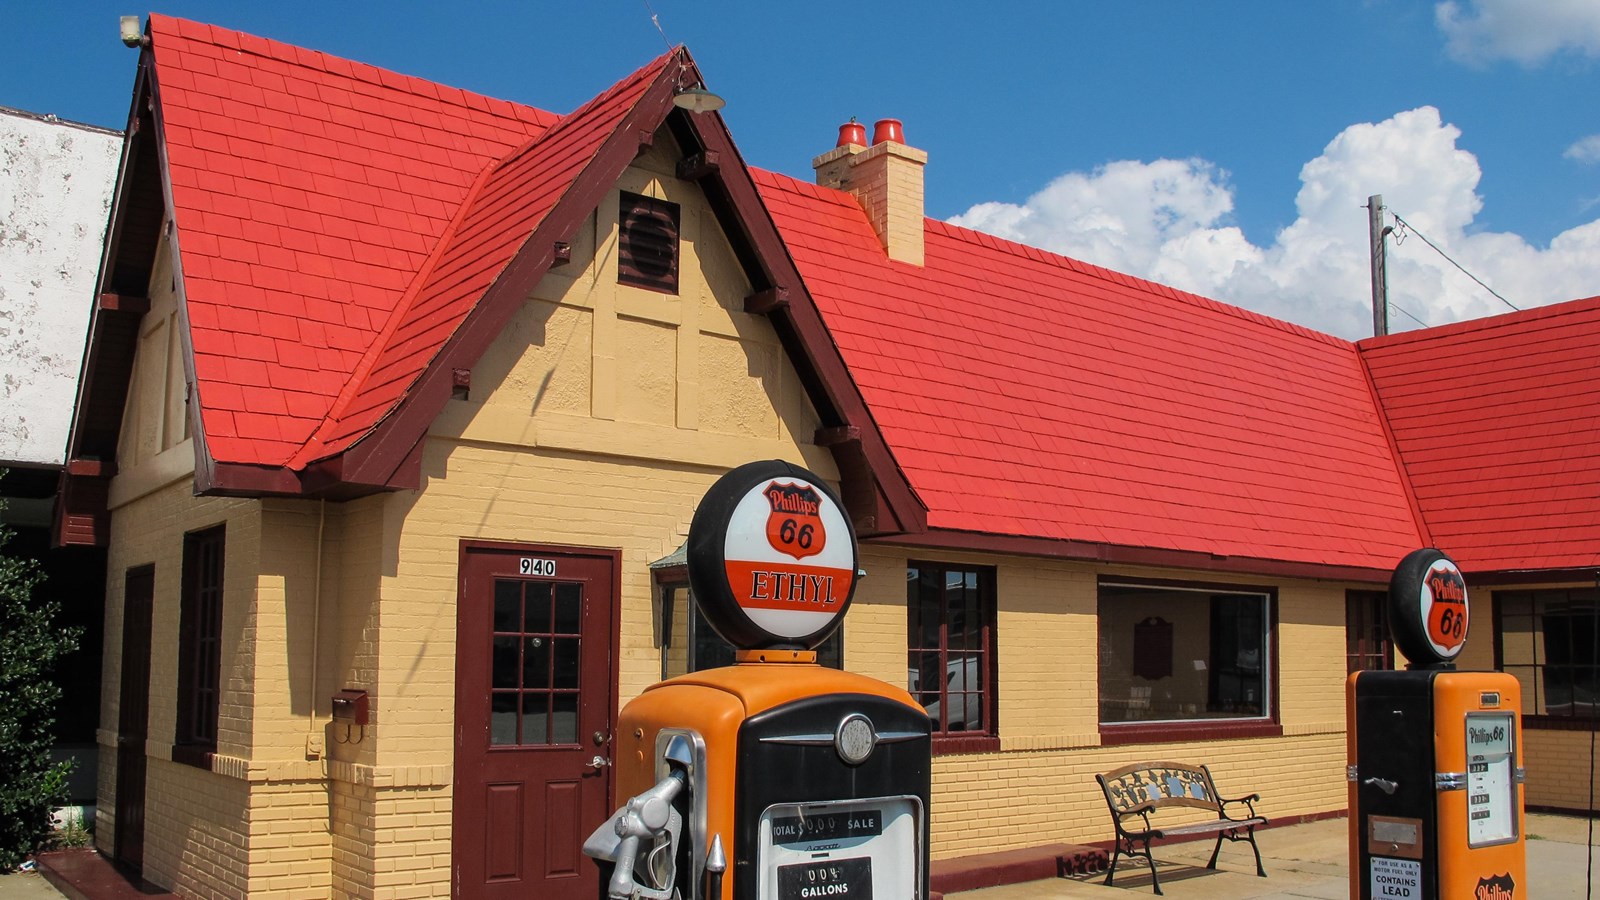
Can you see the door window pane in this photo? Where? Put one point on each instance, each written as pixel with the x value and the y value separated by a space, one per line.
pixel 503 718
pixel 569 607
pixel 564 719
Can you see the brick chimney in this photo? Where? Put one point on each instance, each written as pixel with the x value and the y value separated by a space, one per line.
pixel 886 180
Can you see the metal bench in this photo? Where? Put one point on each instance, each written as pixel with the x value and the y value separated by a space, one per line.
pixel 1134 792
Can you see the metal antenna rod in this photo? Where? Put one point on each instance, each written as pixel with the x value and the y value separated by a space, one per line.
pixel 656 21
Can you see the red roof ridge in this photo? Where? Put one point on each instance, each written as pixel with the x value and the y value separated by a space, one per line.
pixel 1049 257
pixel 378 76
pixel 564 122
pixel 1481 325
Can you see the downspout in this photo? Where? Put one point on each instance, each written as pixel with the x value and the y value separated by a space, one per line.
pixel 314 746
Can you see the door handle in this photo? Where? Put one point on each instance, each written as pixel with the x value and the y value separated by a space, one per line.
pixel 599 762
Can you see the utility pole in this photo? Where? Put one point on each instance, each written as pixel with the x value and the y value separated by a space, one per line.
pixel 1380 275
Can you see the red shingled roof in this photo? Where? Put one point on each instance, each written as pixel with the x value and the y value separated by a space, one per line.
pixel 503 210
pixel 308 191
pixel 1029 394
pixel 338 222
pixel 1497 421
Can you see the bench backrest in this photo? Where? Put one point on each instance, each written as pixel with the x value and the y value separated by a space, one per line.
pixel 1157 784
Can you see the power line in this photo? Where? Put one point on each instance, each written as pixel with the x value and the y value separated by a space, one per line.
pixel 1436 249
pixel 1398 308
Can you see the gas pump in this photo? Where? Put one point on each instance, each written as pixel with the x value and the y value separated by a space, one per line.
pixel 1436 807
pixel 774 778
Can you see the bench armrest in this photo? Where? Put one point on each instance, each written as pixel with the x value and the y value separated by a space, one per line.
pixel 1249 801
pixel 1142 813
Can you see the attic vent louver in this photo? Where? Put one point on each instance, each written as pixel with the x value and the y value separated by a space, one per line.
pixel 647 244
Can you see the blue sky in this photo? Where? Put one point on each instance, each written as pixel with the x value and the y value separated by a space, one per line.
pixel 1050 122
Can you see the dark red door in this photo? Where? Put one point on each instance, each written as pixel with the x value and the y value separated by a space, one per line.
pixel 534 688
pixel 139 587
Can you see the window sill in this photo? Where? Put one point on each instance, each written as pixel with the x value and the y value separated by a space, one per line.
pixel 1558 723
pixel 952 744
pixel 195 755
pixel 1179 732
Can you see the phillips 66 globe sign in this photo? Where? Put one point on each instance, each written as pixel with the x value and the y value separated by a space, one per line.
pixel 772 557
pixel 1428 608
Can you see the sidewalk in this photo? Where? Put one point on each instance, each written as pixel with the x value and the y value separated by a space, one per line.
pixel 1309 860
pixel 1301 861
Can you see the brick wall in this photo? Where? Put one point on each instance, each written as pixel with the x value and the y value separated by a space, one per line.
pixel 1040 786
pixel 598 419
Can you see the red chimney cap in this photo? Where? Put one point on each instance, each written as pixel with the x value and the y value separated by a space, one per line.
pixel 852 132
pixel 888 130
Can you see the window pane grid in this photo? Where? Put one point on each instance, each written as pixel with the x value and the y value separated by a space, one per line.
pixel 536 651
pixel 200 639
pixel 949 640
pixel 1367 644
pixel 1547 639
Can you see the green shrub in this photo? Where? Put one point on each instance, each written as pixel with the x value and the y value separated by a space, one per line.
pixel 30 642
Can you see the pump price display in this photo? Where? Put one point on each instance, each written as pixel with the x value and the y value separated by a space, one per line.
pixel 840 849
pixel 797 830
pixel 833 878
pixel 1491 787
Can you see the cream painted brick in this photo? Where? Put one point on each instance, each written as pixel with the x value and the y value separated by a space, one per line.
pixel 373 584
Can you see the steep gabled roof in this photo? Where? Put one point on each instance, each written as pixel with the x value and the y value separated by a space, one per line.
pixel 1497 422
pixel 1031 396
pixel 307 191
pixel 505 207
pixel 348 238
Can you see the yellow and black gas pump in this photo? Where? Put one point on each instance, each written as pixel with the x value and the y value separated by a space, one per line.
pixel 774 778
pixel 1435 776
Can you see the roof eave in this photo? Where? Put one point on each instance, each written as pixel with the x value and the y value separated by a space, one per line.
pixel 943 539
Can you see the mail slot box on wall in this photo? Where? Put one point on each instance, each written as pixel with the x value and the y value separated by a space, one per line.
pixel 350 707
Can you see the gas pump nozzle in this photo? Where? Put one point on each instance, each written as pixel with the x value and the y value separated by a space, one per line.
pixel 647 816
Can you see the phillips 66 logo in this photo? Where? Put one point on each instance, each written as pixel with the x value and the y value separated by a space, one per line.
pixel 795 526
pixel 1446 593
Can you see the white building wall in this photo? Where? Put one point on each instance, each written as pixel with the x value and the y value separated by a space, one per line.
pixel 56 180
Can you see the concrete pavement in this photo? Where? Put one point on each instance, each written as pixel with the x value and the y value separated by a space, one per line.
pixel 1302 861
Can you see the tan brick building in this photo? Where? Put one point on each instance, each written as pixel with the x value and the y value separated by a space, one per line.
pixel 420 384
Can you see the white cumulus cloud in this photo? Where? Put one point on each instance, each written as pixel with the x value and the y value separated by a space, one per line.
pixel 1168 220
pixel 1481 31
pixel 1585 150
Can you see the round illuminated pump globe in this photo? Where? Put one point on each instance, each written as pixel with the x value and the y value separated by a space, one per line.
pixel 1428 609
pixel 855 739
pixel 772 557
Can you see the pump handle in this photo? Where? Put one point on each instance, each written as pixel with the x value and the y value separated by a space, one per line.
pixel 1382 784
pixel 622 883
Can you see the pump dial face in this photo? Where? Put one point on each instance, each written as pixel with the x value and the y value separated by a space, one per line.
pixel 855 739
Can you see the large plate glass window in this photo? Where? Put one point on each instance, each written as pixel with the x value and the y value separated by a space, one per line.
pixel 1180 653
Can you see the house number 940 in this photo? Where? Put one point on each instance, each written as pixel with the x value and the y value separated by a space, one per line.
pixel 544 567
